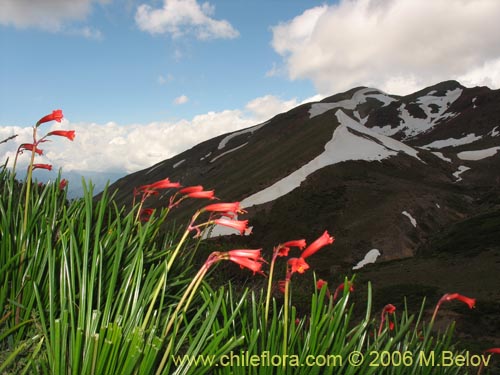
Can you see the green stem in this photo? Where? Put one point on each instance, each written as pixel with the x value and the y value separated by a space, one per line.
pixel 184 236
pixel 269 286
pixel 24 245
pixel 167 268
pixel 285 321
pixel 174 318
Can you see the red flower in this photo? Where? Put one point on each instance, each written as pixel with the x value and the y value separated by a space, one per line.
pixel 320 283
pixel 145 214
pixel 223 207
pixel 297 265
pixel 209 194
pixel 42 166
pixel 493 350
pixel 281 285
pixel 295 243
pixel 56 115
pixel 340 288
pixel 250 259
pixel 240 225
pixel 471 302
pixel 388 309
pixel 63 184
pixel 323 240
pixel 29 147
pixel 283 249
pixel 70 134
pixel 191 189
pixel 164 184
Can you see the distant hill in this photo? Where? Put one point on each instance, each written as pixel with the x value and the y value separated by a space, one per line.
pixel 413 178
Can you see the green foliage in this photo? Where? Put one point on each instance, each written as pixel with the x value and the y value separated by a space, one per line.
pixel 87 289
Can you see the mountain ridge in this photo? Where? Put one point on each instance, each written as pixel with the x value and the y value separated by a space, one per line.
pixel 390 139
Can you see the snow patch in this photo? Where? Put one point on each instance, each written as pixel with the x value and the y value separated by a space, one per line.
pixel 228 151
pixel 494 132
pixel 386 130
pixel 428 103
pixel 370 257
pixel 437 205
pixel 478 154
pixel 441 156
pixel 434 108
pixel 206 156
pixel 461 169
pixel 453 142
pixel 155 167
pixel 359 97
pixel 345 145
pixel 251 129
pixel 412 219
pixel 179 163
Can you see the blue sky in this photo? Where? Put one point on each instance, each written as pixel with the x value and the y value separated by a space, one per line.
pixel 142 80
pixel 127 75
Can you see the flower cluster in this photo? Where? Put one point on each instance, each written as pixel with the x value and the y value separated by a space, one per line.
pixel 56 115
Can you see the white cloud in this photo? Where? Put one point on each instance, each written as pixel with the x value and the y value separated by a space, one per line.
pixel 181 100
pixel 49 15
pixel 265 107
pixel 162 80
pixel 396 45
pixel 179 17
pixel 112 147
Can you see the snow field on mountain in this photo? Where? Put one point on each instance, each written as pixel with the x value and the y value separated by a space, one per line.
pixel 412 219
pixel 359 97
pixel 370 257
pixel 434 108
pixel 344 146
pixel 478 154
pixel 453 142
pixel 251 129
pixel 461 169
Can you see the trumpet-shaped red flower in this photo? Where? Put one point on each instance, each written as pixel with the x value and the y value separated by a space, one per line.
pixel 164 184
pixel 145 214
pixel 340 288
pixel 29 147
pixel 323 240
pixel 223 207
pixel 191 189
pixel 283 249
pixel 297 265
pixel 471 302
pixel 250 259
pixel 42 166
pixel 70 134
pixel 63 183
pixel 388 309
pixel 240 225
pixel 282 285
pixel 56 115
pixel 209 194
pixel 320 283
pixel 295 243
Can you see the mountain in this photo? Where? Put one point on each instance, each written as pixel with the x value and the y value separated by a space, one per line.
pixel 409 182
pixel 379 171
